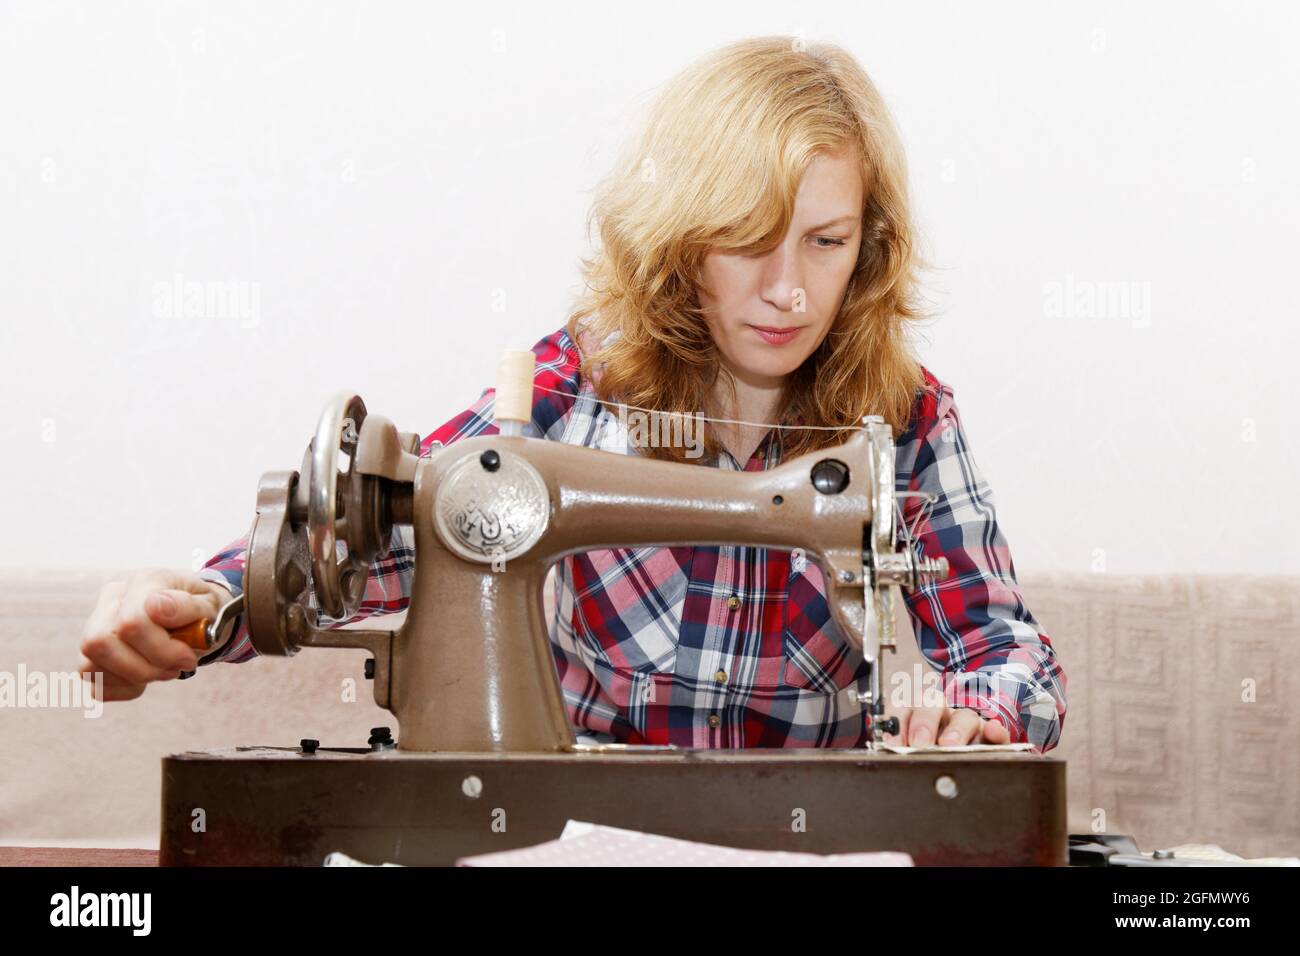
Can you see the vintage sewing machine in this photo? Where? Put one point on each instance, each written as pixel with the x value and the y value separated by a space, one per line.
pixel 485 758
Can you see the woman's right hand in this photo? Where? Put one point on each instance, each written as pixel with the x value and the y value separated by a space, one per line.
pixel 127 635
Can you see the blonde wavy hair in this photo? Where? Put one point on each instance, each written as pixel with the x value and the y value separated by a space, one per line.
pixel 717 167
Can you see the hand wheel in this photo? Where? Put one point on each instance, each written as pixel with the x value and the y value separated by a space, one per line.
pixel 338 583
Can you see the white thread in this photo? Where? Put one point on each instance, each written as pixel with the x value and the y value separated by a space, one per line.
pixel 706 418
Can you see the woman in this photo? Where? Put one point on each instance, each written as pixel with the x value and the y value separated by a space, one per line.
pixel 757 264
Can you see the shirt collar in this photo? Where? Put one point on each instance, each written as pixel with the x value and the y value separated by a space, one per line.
pixel 767 454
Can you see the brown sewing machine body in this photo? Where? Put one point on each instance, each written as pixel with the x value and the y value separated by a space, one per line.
pixel 470 676
pixel 472 669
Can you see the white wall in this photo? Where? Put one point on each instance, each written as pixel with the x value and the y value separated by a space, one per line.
pixel 380 175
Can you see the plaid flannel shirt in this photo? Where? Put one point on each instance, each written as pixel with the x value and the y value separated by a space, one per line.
pixel 734 646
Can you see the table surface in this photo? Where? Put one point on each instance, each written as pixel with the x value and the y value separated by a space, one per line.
pixel 76 856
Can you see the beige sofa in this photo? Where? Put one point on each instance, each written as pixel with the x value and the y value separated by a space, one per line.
pixel 1162 737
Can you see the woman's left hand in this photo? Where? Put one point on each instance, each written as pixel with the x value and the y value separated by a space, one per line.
pixel 922 726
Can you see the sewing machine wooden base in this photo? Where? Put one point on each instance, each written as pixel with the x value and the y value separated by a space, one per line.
pixel 279 806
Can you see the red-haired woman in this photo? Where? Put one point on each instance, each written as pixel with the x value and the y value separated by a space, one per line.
pixel 756 266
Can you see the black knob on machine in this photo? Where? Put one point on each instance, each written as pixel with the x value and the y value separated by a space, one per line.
pixel 830 476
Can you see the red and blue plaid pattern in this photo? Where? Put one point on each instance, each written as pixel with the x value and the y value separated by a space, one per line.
pixel 735 646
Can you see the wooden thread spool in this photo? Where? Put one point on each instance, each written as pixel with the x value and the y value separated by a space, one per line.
pixel 514 396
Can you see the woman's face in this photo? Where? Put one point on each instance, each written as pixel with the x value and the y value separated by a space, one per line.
pixel 768 313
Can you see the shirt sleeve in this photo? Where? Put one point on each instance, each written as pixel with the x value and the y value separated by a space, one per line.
pixel 388 586
pixel 974 626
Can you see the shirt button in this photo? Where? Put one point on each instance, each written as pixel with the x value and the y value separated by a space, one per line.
pixel 714 720
pixel 720 677
pixel 733 602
